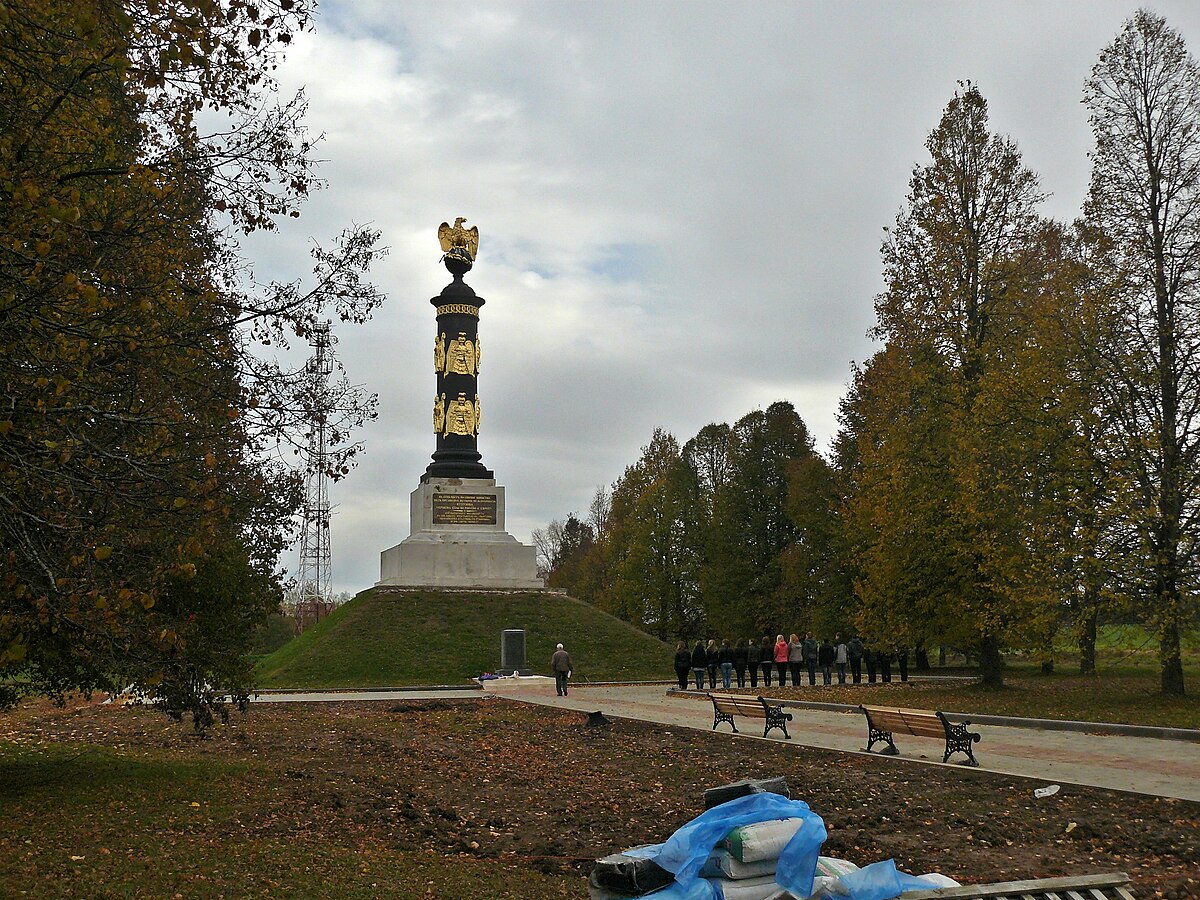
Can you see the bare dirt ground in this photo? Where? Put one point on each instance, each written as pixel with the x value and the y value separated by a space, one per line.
pixel 535 787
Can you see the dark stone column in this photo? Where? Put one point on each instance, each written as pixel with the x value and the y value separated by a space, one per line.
pixel 456 357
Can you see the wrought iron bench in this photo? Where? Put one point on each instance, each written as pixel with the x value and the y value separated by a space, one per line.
pixel 726 706
pixel 883 722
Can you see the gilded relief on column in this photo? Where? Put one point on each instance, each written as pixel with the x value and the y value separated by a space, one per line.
pixel 439 353
pixel 439 413
pixel 477 416
pixel 460 416
pixel 461 358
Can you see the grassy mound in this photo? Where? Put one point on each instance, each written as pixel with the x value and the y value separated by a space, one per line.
pixel 395 638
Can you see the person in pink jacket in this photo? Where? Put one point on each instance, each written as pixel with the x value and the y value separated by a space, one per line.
pixel 781 658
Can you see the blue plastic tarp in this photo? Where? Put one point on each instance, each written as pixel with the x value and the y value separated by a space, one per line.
pixel 881 881
pixel 684 852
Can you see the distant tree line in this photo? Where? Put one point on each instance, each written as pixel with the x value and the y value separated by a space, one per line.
pixel 1022 453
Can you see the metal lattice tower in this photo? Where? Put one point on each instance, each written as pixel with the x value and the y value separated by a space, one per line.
pixel 315 580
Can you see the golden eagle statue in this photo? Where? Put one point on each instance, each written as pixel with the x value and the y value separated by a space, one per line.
pixel 459 241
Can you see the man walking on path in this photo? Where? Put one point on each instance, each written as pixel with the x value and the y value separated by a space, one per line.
pixel 841 658
pixel 560 663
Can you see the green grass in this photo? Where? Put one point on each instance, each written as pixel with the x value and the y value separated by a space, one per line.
pixel 1126 698
pixel 391 639
pixel 91 821
pixel 1123 648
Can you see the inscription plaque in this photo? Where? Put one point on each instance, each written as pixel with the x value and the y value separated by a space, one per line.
pixel 464 509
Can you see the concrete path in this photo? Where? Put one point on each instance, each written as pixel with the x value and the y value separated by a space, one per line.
pixel 1166 768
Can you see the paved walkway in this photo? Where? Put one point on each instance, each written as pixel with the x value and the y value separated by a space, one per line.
pixel 1143 765
pixel 1154 766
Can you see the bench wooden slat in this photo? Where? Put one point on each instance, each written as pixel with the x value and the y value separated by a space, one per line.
pixel 726 706
pixel 927 725
pixel 742 706
pixel 883 722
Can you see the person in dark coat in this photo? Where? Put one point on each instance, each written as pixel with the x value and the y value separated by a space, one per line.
pixel 739 663
pixel 902 659
pixel 753 660
pixel 560 663
pixel 855 648
pixel 810 657
pixel 683 664
pixel 725 661
pixel 885 666
pixel 766 648
pixel 699 664
pixel 825 657
pixel 713 654
pixel 872 660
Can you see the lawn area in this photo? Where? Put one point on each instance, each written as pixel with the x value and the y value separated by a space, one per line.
pixel 489 798
pixel 395 638
pixel 1128 698
pixel 80 817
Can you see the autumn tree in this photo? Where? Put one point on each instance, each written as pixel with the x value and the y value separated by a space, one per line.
pixel 894 454
pixel 742 579
pixel 1144 100
pixel 562 548
pixel 652 560
pixel 816 567
pixel 693 537
pixel 139 509
pixel 708 455
pixel 959 264
pixel 573 554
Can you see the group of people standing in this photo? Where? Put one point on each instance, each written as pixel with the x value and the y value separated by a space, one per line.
pixel 781 657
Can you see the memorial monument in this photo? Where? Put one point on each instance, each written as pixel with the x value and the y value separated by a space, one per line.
pixel 457 537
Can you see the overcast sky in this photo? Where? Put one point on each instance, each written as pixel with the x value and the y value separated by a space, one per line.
pixel 680 208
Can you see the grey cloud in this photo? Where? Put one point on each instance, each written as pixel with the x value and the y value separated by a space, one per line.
pixel 696 188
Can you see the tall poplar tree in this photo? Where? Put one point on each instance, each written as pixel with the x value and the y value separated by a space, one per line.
pixel 1144 100
pixel 957 266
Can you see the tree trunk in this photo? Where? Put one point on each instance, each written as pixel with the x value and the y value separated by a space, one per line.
pixel 922 658
pixel 1087 637
pixel 1167 611
pixel 1169 657
pixel 942 655
pixel 1048 650
pixel 991 665
pixel 1170 511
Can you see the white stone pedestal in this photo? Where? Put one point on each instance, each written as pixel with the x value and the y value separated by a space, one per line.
pixel 458 541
